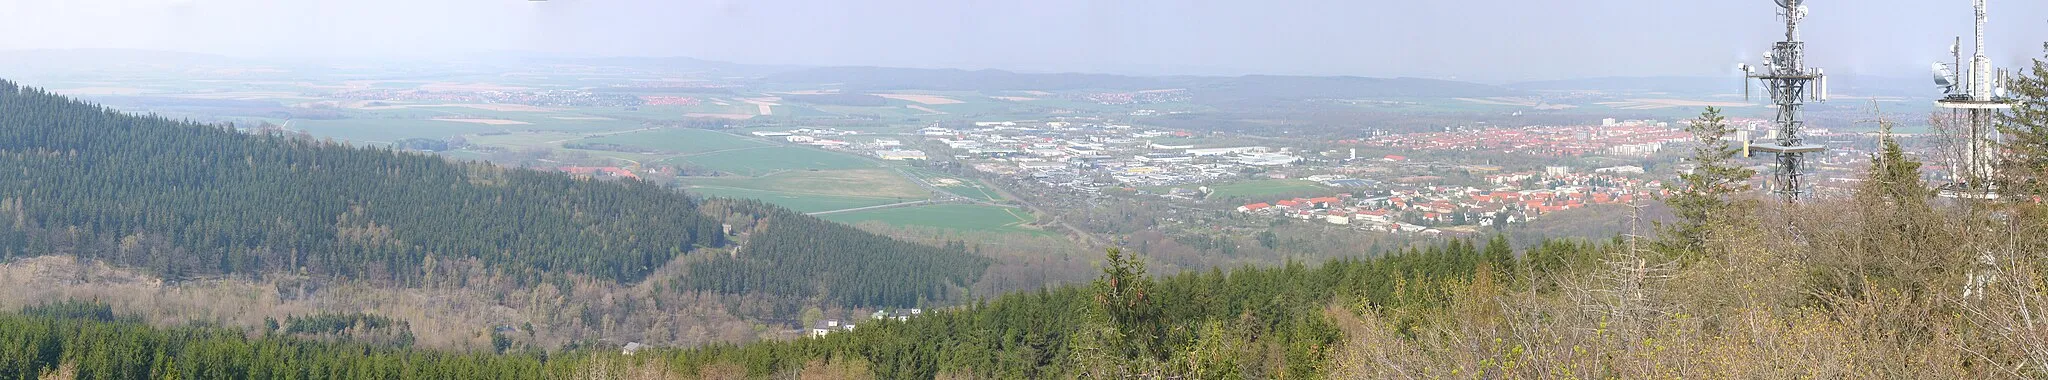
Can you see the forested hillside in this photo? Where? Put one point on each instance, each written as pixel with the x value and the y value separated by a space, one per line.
pixel 1255 323
pixel 97 346
pixel 798 255
pixel 186 201
pixel 192 200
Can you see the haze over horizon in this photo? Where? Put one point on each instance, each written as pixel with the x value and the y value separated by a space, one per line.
pixel 1481 40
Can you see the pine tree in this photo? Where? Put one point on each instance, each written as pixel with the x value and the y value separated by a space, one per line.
pixel 2023 171
pixel 1499 254
pixel 1702 196
pixel 1893 177
pixel 1123 294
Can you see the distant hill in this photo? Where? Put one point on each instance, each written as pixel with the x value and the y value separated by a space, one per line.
pixel 97 62
pixel 1842 84
pixel 890 78
pixel 1242 87
pixel 718 68
pixel 90 58
pixel 1345 87
pixel 1676 85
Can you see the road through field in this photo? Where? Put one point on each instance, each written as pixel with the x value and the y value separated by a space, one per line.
pixel 875 207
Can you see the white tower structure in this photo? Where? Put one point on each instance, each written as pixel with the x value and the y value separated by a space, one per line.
pixel 1790 84
pixel 1971 108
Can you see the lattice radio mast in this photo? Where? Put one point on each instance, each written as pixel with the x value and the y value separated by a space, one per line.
pixel 1790 83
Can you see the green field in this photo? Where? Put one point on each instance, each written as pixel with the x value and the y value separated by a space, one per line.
pixel 1264 187
pixel 978 106
pixel 801 202
pixel 959 186
pixel 804 179
pixel 678 140
pixel 765 161
pixel 383 126
pixel 388 130
pixel 952 217
pixel 641 112
pixel 973 190
pixel 866 183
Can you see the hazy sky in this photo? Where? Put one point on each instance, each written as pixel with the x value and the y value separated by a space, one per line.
pixel 1488 40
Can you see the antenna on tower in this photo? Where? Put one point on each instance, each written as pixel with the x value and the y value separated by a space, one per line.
pixel 1971 108
pixel 1790 84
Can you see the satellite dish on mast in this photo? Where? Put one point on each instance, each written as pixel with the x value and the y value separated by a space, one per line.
pixel 1944 78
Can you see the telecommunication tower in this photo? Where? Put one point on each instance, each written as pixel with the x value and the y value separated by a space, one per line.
pixel 1972 102
pixel 1790 84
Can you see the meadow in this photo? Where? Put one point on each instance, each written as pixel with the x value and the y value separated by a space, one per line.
pixel 678 140
pixel 873 183
pixel 959 217
pixel 969 188
pixel 801 202
pixel 769 160
pixel 384 131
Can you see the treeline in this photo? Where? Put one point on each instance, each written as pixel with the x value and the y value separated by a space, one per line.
pixel 1246 323
pixel 791 254
pixel 609 147
pixel 358 327
pixel 188 200
pixel 424 144
pixel 33 347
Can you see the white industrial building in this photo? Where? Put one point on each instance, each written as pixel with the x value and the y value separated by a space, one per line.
pixel 1224 151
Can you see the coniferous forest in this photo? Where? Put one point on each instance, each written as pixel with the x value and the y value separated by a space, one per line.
pixel 192 201
pixel 189 200
pixel 852 266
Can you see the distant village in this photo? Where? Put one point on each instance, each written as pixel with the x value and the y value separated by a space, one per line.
pixel 1516 198
pixel 1391 193
pixel 1388 193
